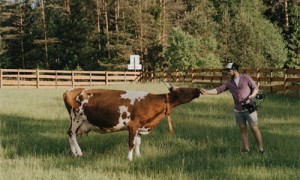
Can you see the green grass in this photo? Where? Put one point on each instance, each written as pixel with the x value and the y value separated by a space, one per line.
pixel 205 144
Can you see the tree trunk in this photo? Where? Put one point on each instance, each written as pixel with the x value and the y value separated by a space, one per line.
pixel 123 14
pixel 21 34
pixel 117 14
pixel 98 22
pixel 106 24
pixel 45 33
pixel 68 8
pixel 141 28
pixel 286 14
pixel 106 20
pixel 164 23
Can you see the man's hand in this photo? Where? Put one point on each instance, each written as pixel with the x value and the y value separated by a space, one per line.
pixel 203 91
pixel 251 96
pixel 211 91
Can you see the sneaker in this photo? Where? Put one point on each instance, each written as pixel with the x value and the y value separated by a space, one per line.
pixel 245 151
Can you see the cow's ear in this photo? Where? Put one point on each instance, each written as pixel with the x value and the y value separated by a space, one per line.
pixel 169 86
pixel 174 93
pixel 172 89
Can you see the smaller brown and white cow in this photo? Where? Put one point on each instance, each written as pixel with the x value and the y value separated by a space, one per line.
pixel 105 111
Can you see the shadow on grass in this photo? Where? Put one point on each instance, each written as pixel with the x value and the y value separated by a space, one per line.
pixel 22 136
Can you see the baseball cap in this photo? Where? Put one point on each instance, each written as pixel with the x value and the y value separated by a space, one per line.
pixel 232 66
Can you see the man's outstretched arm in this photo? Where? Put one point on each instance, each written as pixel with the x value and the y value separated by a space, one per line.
pixel 209 92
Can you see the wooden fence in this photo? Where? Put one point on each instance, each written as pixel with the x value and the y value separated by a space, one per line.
pixel 21 78
pixel 284 80
pixel 267 79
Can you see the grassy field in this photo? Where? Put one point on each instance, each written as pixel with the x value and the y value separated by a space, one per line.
pixel 205 144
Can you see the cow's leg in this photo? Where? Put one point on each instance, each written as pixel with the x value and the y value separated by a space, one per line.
pixel 137 143
pixel 76 121
pixel 133 132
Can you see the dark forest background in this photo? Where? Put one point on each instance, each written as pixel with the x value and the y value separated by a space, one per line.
pixel 102 34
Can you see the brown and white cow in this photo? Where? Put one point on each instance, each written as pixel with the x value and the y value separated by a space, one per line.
pixel 105 111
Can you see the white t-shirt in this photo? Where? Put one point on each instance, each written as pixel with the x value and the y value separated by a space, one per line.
pixel 237 80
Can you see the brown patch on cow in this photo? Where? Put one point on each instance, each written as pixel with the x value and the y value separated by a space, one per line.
pixel 124 115
pixel 124 123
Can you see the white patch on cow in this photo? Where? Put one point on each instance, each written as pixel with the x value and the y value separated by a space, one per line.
pixel 79 126
pixel 144 131
pixel 91 95
pixel 137 143
pixel 124 109
pixel 130 154
pixel 76 122
pixel 77 99
pixel 134 95
pixel 123 121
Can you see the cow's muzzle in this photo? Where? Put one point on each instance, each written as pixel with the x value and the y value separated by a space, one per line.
pixel 197 93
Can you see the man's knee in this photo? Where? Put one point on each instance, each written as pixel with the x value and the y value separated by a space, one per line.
pixel 254 128
pixel 243 128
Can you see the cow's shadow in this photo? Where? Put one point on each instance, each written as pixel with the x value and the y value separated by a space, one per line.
pixel 22 136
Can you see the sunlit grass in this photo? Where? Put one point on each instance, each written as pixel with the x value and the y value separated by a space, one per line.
pixel 205 144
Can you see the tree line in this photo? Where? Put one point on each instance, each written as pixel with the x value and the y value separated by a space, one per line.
pixel 102 34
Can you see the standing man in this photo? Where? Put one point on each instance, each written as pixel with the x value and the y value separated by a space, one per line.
pixel 242 87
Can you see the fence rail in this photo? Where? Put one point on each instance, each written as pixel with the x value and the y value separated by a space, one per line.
pixel 267 79
pixel 23 78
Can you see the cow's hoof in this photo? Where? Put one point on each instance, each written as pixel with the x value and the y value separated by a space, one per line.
pixel 76 154
pixel 130 158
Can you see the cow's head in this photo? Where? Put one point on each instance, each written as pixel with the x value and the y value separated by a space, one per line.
pixel 182 95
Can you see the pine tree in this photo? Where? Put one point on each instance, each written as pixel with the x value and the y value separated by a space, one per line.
pixel 15 30
pixel 293 36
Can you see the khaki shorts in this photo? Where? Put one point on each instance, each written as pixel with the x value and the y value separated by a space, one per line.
pixel 241 118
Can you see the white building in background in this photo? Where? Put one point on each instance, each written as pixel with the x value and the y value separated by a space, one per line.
pixel 134 63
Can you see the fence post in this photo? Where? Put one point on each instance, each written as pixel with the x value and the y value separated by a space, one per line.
pixel 152 76
pixel 222 75
pixel 176 75
pixel 91 78
pixel 125 80
pixel 18 78
pixel 271 76
pixel 193 74
pixel 72 77
pixel 285 81
pixel 56 79
pixel 37 79
pixel 1 78
pixel 106 78
pixel 211 76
